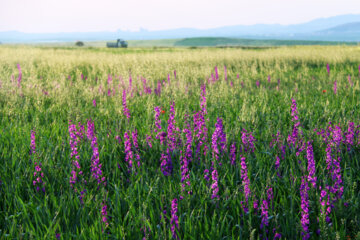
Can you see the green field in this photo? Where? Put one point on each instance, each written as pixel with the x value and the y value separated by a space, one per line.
pixel 86 154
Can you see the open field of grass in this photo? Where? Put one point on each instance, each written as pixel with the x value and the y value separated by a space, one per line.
pixel 177 143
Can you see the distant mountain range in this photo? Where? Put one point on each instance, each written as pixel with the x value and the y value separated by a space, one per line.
pixel 338 28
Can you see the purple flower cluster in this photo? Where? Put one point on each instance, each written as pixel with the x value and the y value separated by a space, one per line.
pixel 174 221
pixel 166 163
pixel 95 168
pixel 126 111
pixel 328 68
pixel 248 141
pixel 218 139
pixel 200 133
pixel 225 73
pixel 245 179
pixel 214 185
pixel 304 188
pixel 134 135
pixel 104 214
pixel 32 142
pixel 264 214
pixel 311 165
pixel 171 129
pixel 186 159
pixel 129 156
pixel 149 140
pixel 216 73
pixel 38 175
pixel 335 87
pixel 74 140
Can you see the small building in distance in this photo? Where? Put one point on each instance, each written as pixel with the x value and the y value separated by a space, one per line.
pixel 119 43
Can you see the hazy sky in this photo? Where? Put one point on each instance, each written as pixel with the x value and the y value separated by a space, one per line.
pixel 110 15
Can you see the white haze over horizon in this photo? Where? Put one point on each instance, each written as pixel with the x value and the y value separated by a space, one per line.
pixel 49 16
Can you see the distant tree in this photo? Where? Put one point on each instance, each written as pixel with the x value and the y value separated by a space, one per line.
pixel 79 43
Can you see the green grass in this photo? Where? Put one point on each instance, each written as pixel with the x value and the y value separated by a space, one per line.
pixel 135 201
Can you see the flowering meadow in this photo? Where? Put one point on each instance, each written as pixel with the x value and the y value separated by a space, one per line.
pixel 176 143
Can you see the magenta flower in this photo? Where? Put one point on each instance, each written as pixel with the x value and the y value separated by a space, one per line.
pixel 311 165
pixel 95 168
pixel 328 69
pixel 245 179
pixel 269 78
pixel 174 221
pixel 128 151
pixel 171 129
pixel 94 102
pixel 214 185
pixel 264 214
pixel 225 73
pixel 149 140
pixel 32 143
pixel 218 139
pixel 216 73
pixel 304 188
pixel 104 214
pixel 166 163
pixel 257 83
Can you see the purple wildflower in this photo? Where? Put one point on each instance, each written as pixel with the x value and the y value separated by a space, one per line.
pixel 32 143
pixel 104 214
pixel 74 140
pixel 218 139
pixel 350 134
pixel 166 164
pixel 225 73
pixel 245 178
pixel 171 129
pixel 257 83
pixel 95 168
pixel 200 132
pixel 311 165
pixel 269 78
pixel 149 140
pixel 128 152
pixel 304 188
pixel 328 69
pixel 94 102
pixel 214 185
pixel 175 74
pixel 134 135
pixel 157 119
pixel 174 221
pixel 203 99
pixel 206 175
pixel 335 87
pixel 264 214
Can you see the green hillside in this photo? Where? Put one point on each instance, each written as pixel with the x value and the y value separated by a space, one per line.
pixel 213 41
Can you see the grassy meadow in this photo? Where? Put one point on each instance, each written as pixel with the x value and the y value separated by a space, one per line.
pixel 177 143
